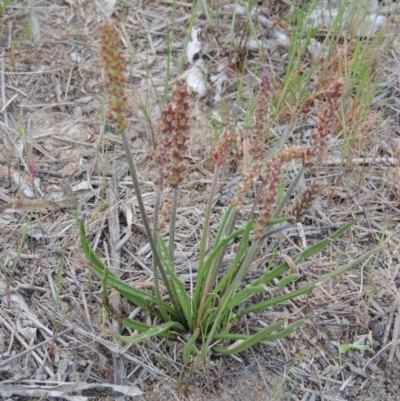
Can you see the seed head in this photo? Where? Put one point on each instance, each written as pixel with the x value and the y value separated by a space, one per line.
pixel 271 180
pixel 261 112
pixel 327 124
pixel 113 62
pixel 172 139
pixel 305 200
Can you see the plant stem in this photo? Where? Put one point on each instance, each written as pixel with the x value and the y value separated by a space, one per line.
pixel 281 227
pixel 204 236
pixel 156 257
pixel 171 241
pixel 157 203
pixel 256 199
pixel 289 192
pixel 203 244
pixel 230 226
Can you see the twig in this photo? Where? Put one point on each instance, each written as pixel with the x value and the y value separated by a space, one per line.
pixel 364 160
pixel 389 323
pixel 37 358
pixel 379 352
pixel 4 108
pixel 3 89
pixel 396 334
pixel 32 72
pixel 28 351
pixel 68 83
pixel 177 3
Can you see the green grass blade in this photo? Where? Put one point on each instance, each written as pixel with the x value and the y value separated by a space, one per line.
pixel 230 336
pixel 230 275
pixel 244 294
pixel 141 327
pixel 104 292
pixel 262 335
pixel 223 225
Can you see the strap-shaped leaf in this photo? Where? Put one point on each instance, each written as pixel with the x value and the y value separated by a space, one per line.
pixel 256 286
pixel 304 255
pixel 234 281
pixel 205 270
pixel 161 330
pixel 190 344
pixel 136 296
pixel 181 294
pixel 250 340
pixel 286 332
pixel 288 279
pixel 262 335
pixel 309 287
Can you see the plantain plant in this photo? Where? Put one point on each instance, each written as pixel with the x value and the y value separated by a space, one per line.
pixel 206 316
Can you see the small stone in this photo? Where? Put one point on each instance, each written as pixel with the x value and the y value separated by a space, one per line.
pixel 78 113
pixel 4 182
pixel 377 331
pixel 76 57
pixel 322 362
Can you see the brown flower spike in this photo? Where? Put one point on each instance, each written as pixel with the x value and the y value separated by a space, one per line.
pixel 116 79
pixel 173 138
pixel 221 150
pixel 257 139
pixel 305 200
pixel 271 180
pixel 326 125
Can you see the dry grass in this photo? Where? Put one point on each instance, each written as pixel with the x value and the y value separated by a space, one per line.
pixel 55 103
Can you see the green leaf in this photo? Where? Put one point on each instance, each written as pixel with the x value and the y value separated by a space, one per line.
pixel 182 295
pixel 222 226
pixel 274 222
pixel 205 269
pixel 245 341
pixel 249 341
pixel 256 286
pixel 136 296
pixel 288 279
pixel 245 293
pixel 286 332
pixel 307 253
pixel 248 256
pixel 229 275
pixel 309 287
pixel 343 348
pixel 153 332
pixel 187 350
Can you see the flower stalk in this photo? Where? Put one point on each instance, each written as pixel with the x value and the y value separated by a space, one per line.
pixel 116 79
